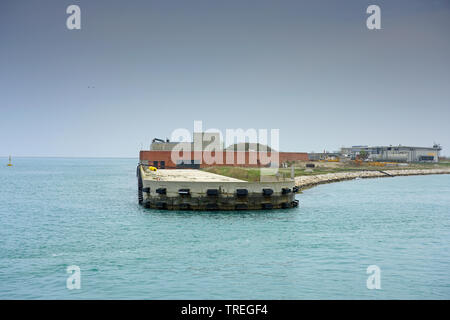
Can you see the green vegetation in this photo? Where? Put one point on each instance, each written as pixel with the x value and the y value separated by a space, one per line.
pixel 316 171
pixel 363 155
pixel 253 174
pixel 248 174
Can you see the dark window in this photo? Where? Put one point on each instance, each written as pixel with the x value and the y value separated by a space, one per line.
pixel 188 164
pixel 162 164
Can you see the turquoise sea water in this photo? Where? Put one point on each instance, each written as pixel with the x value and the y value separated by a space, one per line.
pixel 60 212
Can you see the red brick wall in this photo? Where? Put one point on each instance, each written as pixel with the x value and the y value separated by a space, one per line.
pixel 293 156
pixel 239 159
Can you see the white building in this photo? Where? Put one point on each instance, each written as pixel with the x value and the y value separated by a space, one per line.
pixel 395 153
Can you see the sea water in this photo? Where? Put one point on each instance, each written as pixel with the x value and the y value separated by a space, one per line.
pixel 57 212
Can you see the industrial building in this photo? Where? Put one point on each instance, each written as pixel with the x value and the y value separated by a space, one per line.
pixel 201 140
pixel 394 153
pixel 323 155
pixel 198 154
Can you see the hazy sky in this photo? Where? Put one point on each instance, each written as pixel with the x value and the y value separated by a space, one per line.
pixel 140 69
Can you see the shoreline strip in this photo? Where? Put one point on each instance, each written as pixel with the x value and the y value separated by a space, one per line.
pixel 306 182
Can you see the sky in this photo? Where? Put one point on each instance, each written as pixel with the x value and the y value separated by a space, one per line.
pixel 141 69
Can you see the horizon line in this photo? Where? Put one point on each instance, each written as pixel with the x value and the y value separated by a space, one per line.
pixel 73 157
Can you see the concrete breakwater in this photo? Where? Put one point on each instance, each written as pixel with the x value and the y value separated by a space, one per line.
pixel 189 189
pixel 305 182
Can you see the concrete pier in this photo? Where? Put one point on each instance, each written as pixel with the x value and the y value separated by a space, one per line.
pixel 189 189
pixel 304 182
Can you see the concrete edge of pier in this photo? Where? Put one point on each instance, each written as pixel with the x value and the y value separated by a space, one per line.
pixel 198 190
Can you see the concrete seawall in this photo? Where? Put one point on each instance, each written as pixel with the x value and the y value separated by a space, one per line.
pixel 189 189
pixel 305 182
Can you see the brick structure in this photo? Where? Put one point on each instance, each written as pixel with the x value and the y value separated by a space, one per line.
pixel 202 159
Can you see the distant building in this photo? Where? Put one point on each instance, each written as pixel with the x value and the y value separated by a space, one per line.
pixel 201 140
pixel 323 155
pixel 207 145
pixel 395 153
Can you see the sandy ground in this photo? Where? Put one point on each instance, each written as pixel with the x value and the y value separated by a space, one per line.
pixel 187 175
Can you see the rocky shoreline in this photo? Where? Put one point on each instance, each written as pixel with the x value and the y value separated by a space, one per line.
pixel 305 182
